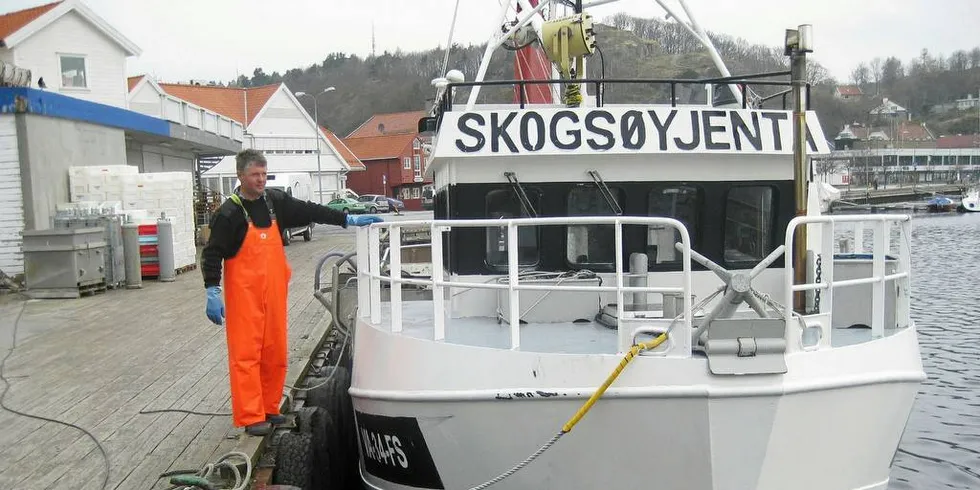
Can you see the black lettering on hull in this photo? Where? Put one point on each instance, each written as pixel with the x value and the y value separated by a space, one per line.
pixel 394 449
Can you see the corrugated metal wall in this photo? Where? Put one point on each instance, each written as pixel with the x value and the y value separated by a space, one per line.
pixel 11 200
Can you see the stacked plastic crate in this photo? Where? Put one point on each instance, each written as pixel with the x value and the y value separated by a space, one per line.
pixel 144 197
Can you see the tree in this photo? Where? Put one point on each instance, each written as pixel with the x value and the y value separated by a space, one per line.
pixel 876 65
pixel 959 61
pixel 817 74
pixel 861 74
pixel 975 58
pixel 891 71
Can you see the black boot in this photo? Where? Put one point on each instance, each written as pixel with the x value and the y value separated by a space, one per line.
pixel 258 429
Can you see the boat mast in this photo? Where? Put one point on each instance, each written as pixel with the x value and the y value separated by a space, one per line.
pixel 694 28
pixel 798 44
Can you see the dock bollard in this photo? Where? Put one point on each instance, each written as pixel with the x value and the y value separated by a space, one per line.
pixel 165 249
pixel 131 255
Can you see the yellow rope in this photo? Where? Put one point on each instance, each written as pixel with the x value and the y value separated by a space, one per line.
pixel 636 349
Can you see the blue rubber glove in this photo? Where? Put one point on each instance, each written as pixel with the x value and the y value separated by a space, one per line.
pixel 362 220
pixel 216 307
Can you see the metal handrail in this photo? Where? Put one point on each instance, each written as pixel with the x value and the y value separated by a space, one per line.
pixel 445 104
pixel 369 268
pixel 878 278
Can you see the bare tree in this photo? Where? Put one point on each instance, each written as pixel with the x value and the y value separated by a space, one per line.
pixel 975 57
pixel 861 74
pixel 959 61
pixel 876 65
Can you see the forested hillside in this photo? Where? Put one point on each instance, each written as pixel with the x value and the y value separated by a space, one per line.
pixel 633 47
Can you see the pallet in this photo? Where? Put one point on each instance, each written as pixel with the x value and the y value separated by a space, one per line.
pixel 185 269
pixel 68 293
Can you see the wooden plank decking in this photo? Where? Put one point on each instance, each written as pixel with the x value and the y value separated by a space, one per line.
pixel 98 361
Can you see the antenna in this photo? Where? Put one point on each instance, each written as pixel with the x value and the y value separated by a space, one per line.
pixel 373 53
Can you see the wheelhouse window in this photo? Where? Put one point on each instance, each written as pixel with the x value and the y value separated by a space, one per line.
pixel 748 224
pixel 682 203
pixel 73 74
pixel 504 204
pixel 591 245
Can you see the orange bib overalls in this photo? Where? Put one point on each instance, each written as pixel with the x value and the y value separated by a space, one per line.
pixel 256 286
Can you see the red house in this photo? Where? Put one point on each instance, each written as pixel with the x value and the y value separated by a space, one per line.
pixel 392 152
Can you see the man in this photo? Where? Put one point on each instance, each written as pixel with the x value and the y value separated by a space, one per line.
pixel 246 234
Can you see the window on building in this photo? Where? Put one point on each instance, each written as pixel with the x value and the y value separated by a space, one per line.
pixel 682 203
pixel 503 204
pixel 418 167
pixel 407 163
pixel 73 73
pixel 591 245
pixel 748 224
pixel 416 193
pixel 416 145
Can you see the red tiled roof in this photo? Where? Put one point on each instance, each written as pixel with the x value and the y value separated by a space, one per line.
pixel 910 131
pixel 133 81
pixel 392 123
pixel 379 147
pixel 849 90
pixel 231 102
pixel 349 156
pixel 959 141
pixel 12 22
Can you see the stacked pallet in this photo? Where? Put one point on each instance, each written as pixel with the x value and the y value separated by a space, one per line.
pixel 169 194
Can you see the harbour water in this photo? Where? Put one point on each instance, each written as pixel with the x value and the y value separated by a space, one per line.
pixel 941 446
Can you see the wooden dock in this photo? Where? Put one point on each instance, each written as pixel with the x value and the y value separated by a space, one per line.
pixel 898 194
pixel 99 360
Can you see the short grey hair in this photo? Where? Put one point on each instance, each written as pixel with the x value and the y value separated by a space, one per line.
pixel 248 157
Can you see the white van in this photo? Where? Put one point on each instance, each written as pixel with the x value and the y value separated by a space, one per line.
pixel 300 186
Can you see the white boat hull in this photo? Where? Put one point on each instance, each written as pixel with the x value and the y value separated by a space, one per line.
pixel 971 203
pixel 439 415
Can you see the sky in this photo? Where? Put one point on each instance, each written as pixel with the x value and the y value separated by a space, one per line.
pixel 219 39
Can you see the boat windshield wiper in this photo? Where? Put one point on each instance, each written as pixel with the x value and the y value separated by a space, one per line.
pixel 521 195
pixel 606 193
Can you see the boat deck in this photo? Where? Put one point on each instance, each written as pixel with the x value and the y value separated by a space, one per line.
pixel 559 337
pixel 99 360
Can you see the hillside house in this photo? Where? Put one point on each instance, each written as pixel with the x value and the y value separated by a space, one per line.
pixel 848 92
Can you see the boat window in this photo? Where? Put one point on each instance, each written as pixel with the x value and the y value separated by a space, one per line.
pixel 504 204
pixel 680 202
pixel 748 224
pixel 591 245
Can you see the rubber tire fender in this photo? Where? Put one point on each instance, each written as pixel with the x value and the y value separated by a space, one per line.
pixel 333 397
pixel 294 457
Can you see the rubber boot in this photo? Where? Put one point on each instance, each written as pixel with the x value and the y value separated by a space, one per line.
pixel 258 429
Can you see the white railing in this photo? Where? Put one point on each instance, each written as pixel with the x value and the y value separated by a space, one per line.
pixel 369 271
pixel 182 112
pixel 827 227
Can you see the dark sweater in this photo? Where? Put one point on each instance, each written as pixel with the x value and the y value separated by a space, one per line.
pixel 228 226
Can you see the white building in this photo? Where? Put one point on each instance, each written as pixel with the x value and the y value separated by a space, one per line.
pixel 70 50
pixel 74 113
pixel 274 122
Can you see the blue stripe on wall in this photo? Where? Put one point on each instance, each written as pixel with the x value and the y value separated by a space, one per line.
pixel 44 103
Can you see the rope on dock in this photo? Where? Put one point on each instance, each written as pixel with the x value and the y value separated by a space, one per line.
pixel 6 387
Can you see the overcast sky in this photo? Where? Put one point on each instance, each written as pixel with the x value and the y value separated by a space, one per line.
pixel 217 39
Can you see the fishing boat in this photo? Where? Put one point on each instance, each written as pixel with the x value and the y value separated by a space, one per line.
pixel 627 295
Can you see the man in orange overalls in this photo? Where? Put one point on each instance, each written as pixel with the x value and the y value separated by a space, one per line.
pixel 247 235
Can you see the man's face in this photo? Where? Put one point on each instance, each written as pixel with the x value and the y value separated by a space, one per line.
pixel 253 181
